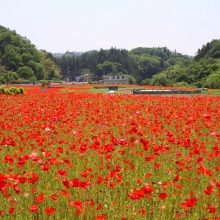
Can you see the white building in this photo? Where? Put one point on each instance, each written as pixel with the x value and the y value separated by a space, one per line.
pixel 116 79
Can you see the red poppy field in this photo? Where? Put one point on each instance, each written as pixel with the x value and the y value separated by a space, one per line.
pixel 78 155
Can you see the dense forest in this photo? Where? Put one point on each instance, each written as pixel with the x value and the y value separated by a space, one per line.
pixel 140 63
pixel 20 61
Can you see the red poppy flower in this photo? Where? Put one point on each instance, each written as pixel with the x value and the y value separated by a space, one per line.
pixel 12 210
pixel 148 189
pixel 49 211
pixel 33 208
pixel 77 204
pixel 101 217
pixel 40 198
pixel 162 196
pixel 62 173
pixel 211 208
pixel 53 197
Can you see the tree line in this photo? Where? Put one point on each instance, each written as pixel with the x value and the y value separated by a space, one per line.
pixel 140 63
pixel 20 61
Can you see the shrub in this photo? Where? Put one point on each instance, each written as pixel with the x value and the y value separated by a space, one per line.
pixel 44 82
pixel 146 81
pixel 11 91
pixel 132 80
pixel 181 84
pixel 212 81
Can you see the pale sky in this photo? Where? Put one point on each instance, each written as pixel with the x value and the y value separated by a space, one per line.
pixel 83 25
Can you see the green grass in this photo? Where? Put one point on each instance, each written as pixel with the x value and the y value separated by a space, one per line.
pixel 211 91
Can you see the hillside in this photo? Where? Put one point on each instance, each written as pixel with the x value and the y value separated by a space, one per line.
pixel 202 71
pixel 20 60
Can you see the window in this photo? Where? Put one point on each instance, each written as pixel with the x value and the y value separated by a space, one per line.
pixel 122 77
pixel 117 77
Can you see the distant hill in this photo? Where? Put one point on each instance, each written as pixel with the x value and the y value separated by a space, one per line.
pixel 67 54
pixel 57 54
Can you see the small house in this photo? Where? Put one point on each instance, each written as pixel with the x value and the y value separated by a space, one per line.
pixel 116 79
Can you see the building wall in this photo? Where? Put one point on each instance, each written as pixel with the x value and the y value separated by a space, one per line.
pixel 122 79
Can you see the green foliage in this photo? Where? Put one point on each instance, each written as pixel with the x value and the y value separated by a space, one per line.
pixel 148 66
pixel 49 69
pixel 159 80
pixel 17 53
pixel 20 59
pixel 212 81
pixel 146 81
pixel 54 80
pixel 132 80
pixel 195 73
pixel 44 82
pixel 140 62
pixel 11 91
pixel 20 81
pixel 2 80
pixel 25 72
pixel 85 71
pixel 211 49
pixel 11 57
pixel 181 84
pixel 139 80
pixel 7 76
pixel 110 68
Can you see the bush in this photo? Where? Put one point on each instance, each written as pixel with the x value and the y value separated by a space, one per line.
pixel 11 91
pixel 181 84
pixel 44 82
pixel 159 79
pixel 2 80
pixel 132 80
pixel 146 81
pixel 54 80
pixel 212 81
pixel 20 91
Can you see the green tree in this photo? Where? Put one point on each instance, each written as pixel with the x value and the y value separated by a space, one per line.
pixel 25 72
pixel 132 80
pixel 11 58
pixel 159 80
pixel 213 81
pixel 40 71
pixel 85 71
pixel 146 81
pixel 38 68
pixel 139 80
